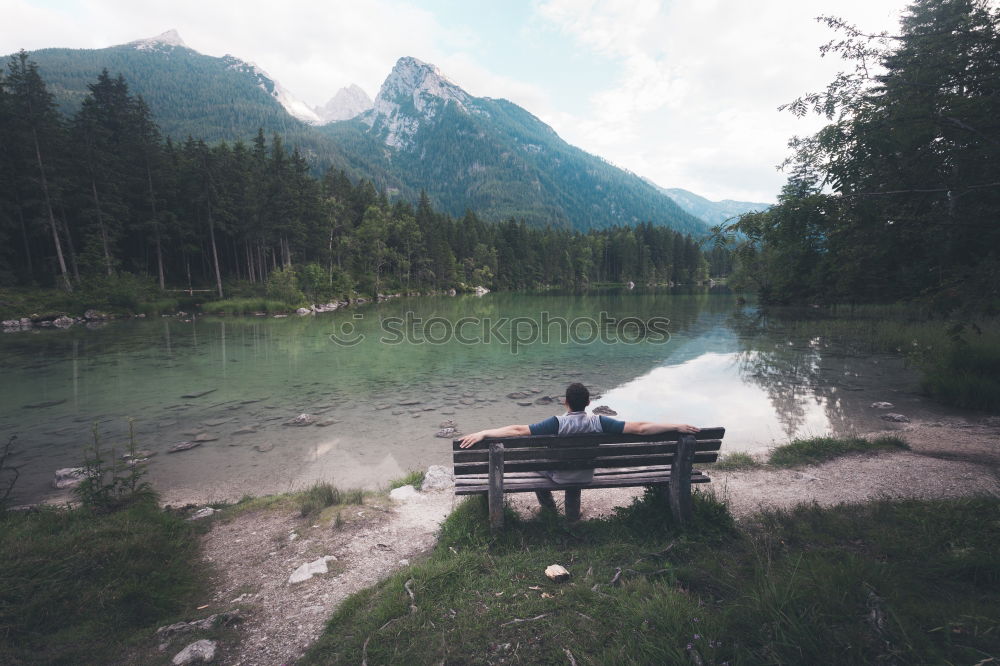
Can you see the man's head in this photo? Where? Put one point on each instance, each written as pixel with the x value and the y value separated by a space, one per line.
pixel 577 397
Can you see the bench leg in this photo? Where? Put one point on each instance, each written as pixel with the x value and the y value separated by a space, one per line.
pixel 546 500
pixel 680 481
pixel 573 504
pixel 496 487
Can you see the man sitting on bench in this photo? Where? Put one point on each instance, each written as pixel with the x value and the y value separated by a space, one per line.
pixel 575 422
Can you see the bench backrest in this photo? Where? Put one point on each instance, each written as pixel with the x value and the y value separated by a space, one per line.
pixel 536 453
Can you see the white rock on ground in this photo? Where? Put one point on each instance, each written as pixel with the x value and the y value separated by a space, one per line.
pixel 68 477
pixel 438 477
pixel 404 494
pixel 310 569
pixel 202 513
pixel 202 651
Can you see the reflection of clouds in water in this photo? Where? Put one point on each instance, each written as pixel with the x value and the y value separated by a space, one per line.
pixel 708 391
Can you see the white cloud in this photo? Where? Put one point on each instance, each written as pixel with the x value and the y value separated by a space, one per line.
pixel 695 101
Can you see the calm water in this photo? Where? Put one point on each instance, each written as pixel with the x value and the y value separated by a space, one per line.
pixel 382 403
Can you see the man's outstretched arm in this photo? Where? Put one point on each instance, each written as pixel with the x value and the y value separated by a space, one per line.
pixel 506 431
pixel 650 428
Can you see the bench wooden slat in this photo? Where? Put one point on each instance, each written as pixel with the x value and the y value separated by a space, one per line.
pixel 526 485
pixel 559 441
pixel 591 463
pixel 567 453
pixel 649 469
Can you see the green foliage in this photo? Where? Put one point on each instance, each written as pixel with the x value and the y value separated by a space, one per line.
pixel 83 588
pixel 736 462
pixel 964 374
pixel 321 495
pixel 814 450
pixel 8 473
pixel 854 584
pixel 896 198
pixel 283 286
pixel 414 478
pixel 239 306
pixel 108 485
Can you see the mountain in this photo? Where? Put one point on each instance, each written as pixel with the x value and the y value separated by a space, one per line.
pixel 493 157
pixel 712 212
pixel 346 104
pixel 421 133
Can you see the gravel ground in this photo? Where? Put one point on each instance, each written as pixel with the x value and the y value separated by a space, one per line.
pixel 254 553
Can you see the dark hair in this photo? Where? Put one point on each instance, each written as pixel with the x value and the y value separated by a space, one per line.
pixel 577 397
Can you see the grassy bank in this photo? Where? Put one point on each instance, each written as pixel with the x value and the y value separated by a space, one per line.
pixel 809 451
pixel 893 582
pixel 83 588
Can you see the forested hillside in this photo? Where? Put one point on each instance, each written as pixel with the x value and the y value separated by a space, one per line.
pixel 898 197
pixel 102 194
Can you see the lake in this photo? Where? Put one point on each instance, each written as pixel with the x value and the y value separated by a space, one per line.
pixel 378 382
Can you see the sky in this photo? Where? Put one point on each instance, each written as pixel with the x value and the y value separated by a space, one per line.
pixel 682 92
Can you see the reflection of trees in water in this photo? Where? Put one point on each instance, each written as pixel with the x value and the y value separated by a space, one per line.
pixel 791 371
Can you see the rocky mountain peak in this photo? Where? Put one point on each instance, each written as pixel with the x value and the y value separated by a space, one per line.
pixel 414 92
pixel 346 104
pixel 169 38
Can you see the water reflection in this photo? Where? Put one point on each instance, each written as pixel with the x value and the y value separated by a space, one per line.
pixel 379 405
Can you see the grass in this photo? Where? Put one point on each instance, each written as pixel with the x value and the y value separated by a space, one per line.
pixel 735 462
pixel 812 450
pixel 323 495
pixel 415 479
pixel 889 581
pixel 78 587
pixel 239 306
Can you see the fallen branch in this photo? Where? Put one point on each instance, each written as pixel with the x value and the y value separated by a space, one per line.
pixel 618 575
pixel 413 599
pixel 364 652
pixel 569 655
pixel 519 620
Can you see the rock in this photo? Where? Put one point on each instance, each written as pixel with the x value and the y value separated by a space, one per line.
pixel 204 624
pixel 447 433
pixel 409 403
pixel 382 406
pixel 202 513
pixel 882 405
pixel 62 322
pixel 467 401
pixel 263 448
pixel 310 569
pixel 202 652
pixel 301 420
pixel 198 394
pixel 557 572
pixel 446 424
pixel 182 446
pixel 438 477
pixel 603 410
pixel 517 395
pixel 404 493
pixel 895 418
pixel 544 400
pixel 303 312
pixel 141 455
pixel 245 431
pixel 69 477
pixel 525 404
pixel 481 291
pixel 92 315
pixel 205 437
pixel 42 405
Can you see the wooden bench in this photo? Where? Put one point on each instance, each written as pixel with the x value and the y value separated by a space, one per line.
pixel 496 466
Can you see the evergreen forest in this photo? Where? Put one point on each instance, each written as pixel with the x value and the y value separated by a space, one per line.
pixel 102 194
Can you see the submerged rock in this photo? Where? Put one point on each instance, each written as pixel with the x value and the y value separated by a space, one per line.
pixel 263 448
pixel 604 410
pixel 182 446
pixel 882 405
pixel 301 420
pixel 447 433
pixel 198 394
pixel 895 418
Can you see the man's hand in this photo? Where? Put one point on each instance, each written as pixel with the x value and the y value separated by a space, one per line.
pixel 685 428
pixel 472 439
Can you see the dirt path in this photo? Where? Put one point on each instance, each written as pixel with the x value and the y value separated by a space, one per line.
pixel 255 552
